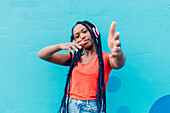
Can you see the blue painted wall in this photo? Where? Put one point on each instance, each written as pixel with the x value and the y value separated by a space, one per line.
pixel 31 85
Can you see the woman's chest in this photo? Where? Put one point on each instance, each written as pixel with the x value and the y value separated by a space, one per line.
pixel 88 68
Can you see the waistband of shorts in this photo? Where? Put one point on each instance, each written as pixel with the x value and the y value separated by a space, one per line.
pixel 83 100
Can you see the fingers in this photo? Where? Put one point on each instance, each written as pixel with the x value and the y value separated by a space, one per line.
pixel 114 42
pixel 118 49
pixel 115 55
pixel 71 46
pixel 116 52
pixel 77 41
pixel 81 43
pixel 112 29
pixel 116 36
pixel 70 50
pixel 76 45
pixel 75 48
pixel 117 43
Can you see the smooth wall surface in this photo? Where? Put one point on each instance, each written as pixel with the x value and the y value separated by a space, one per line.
pixel 31 85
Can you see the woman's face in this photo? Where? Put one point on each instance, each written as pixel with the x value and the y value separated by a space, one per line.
pixel 81 32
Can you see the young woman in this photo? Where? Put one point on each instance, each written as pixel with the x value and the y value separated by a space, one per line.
pixel 85 89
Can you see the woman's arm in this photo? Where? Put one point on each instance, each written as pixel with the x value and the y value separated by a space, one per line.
pixel 117 58
pixel 49 53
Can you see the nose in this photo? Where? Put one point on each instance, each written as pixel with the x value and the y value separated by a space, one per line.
pixel 82 36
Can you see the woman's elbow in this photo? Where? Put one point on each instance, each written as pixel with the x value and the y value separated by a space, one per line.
pixel 40 55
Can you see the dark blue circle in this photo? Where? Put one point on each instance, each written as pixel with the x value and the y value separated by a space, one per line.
pixel 162 105
pixel 113 84
pixel 123 109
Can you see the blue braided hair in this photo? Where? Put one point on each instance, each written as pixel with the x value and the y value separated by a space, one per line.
pixel 101 94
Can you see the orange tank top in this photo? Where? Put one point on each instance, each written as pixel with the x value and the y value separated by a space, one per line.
pixel 83 84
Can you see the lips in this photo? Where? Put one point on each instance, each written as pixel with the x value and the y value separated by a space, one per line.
pixel 86 40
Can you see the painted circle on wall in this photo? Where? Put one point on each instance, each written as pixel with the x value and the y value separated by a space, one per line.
pixel 123 109
pixel 113 84
pixel 162 105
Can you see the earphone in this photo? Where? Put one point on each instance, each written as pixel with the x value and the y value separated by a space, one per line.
pixel 96 32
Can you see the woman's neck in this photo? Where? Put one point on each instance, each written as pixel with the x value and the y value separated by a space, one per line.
pixel 90 52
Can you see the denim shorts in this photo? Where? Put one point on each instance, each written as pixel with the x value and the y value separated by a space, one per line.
pixel 83 106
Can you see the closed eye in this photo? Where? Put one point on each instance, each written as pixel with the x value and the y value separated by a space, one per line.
pixel 84 31
pixel 77 36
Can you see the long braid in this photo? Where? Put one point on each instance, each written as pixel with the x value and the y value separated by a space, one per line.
pixel 64 103
pixel 101 83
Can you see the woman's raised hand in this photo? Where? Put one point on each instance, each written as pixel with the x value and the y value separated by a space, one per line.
pixel 72 45
pixel 113 42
